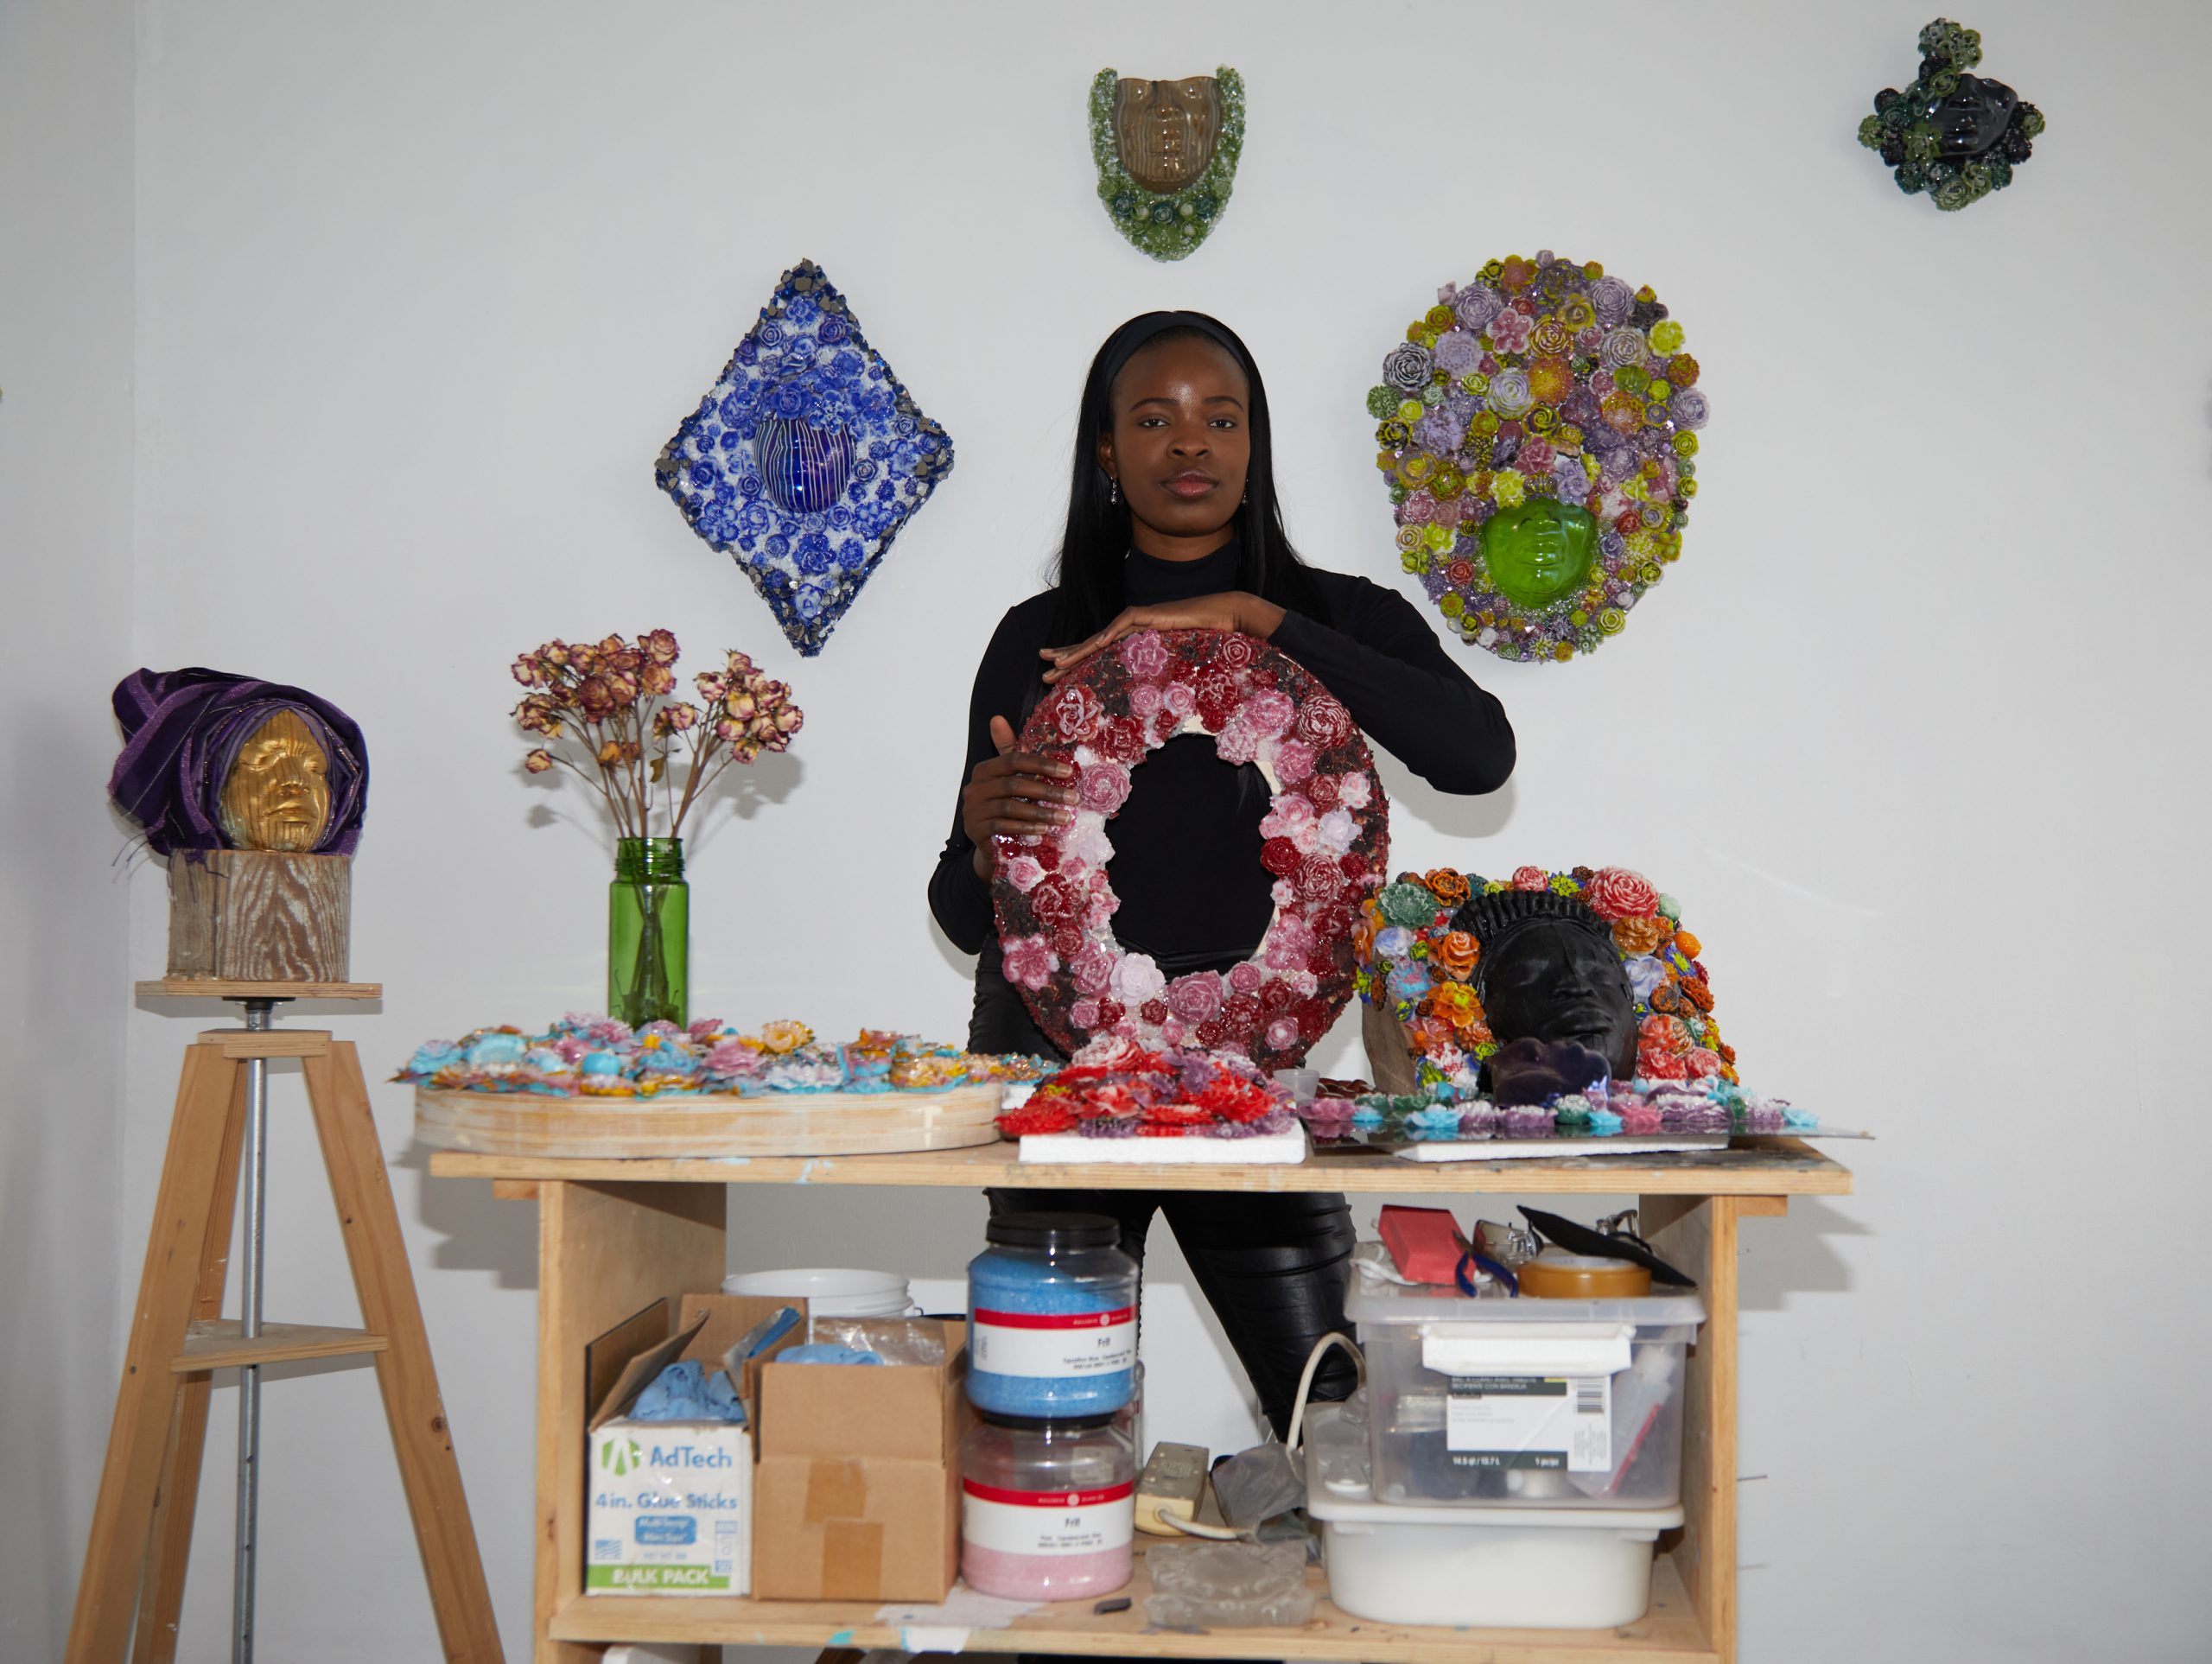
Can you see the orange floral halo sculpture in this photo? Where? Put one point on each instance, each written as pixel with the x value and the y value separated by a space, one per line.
pixel 1416 963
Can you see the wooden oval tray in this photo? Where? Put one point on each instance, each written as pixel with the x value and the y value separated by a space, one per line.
pixel 777 1124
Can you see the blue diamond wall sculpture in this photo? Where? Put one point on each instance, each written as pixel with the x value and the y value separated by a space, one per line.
pixel 806 459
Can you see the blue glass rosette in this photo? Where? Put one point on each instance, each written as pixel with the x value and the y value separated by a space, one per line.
pixel 805 458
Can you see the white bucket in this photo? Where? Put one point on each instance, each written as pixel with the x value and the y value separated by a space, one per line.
pixel 830 1292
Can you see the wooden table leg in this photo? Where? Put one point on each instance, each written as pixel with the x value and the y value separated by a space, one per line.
pixel 168 1540
pixel 1699 1234
pixel 605 1251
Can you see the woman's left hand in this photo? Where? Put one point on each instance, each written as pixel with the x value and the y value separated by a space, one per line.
pixel 1231 610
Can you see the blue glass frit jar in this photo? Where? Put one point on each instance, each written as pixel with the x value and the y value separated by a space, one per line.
pixel 1051 1316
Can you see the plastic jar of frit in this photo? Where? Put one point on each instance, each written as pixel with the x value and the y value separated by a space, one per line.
pixel 1051 1316
pixel 1047 1508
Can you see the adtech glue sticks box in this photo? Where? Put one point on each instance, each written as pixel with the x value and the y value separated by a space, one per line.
pixel 671 1509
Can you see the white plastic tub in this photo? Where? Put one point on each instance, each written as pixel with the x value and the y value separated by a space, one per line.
pixel 830 1292
pixel 1527 1403
pixel 1523 1568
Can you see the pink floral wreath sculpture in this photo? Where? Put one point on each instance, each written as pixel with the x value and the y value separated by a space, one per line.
pixel 1327 843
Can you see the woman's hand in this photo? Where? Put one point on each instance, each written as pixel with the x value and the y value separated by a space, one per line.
pixel 1012 793
pixel 1231 610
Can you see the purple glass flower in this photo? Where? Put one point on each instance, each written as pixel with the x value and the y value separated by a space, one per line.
pixel 1332 1124
pixel 1613 298
pixel 1439 432
pixel 1477 304
pixel 1623 346
pixel 1690 407
pixel 1458 352
pixel 1406 367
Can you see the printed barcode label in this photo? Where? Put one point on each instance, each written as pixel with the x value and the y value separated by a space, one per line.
pixel 1561 1423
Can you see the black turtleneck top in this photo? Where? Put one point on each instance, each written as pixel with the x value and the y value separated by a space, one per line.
pixel 1186 842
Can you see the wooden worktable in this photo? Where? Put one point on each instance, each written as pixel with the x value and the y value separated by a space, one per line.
pixel 615 1235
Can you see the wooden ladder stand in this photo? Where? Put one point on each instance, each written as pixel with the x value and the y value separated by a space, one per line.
pixel 142 1526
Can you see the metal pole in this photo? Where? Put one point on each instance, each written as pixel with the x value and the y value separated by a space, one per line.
pixel 257 1014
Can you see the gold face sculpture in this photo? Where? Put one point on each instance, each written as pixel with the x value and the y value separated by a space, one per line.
pixel 1165 131
pixel 277 795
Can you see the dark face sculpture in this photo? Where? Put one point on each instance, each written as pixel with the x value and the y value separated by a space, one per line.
pixel 1971 123
pixel 1555 980
pixel 1537 1071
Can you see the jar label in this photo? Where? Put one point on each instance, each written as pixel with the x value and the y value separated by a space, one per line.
pixel 1048 1522
pixel 1052 1344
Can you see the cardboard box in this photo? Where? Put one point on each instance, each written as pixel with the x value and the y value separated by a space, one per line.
pixel 856 1494
pixel 670 1502
pixel 671 1509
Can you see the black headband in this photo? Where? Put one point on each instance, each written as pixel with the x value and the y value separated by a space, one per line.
pixel 1140 331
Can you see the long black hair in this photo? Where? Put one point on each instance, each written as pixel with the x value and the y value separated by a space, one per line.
pixel 1087 581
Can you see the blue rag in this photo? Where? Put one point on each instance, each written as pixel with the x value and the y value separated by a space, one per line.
pixel 685 1392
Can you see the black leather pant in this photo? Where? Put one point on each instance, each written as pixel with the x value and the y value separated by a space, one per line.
pixel 1273 1267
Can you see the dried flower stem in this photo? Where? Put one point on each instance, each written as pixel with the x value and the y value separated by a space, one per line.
pixel 613 697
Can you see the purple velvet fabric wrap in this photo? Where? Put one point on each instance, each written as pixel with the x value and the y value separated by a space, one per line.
pixel 182 730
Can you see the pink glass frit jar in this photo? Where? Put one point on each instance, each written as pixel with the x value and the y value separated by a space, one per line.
pixel 1047 1508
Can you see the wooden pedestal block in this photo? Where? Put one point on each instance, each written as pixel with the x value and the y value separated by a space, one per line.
pixel 258 916
pixel 1391 1051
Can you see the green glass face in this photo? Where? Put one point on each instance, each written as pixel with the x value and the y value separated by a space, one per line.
pixel 1539 551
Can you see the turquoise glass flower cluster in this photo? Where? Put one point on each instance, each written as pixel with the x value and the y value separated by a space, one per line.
pixel 805 458
pixel 1170 226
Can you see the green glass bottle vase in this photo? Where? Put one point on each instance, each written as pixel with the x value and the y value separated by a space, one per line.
pixel 649 933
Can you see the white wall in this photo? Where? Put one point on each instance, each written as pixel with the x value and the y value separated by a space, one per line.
pixel 65 447
pixel 420 290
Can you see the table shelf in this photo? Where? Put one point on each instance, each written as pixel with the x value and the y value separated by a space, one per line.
pixel 615 1235
pixel 1669 1632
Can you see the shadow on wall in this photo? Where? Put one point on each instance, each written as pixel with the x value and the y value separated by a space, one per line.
pixel 1455 816
pixel 475 1231
pixel 1795 1258
pixel 919 1233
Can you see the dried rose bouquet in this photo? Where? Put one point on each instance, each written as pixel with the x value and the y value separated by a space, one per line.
pixel 613 699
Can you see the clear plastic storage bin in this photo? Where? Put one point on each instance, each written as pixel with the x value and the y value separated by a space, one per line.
pixel 1527 1403
pixel 1523 1568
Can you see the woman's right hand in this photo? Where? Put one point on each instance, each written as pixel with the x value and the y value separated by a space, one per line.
pixel 1012 793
